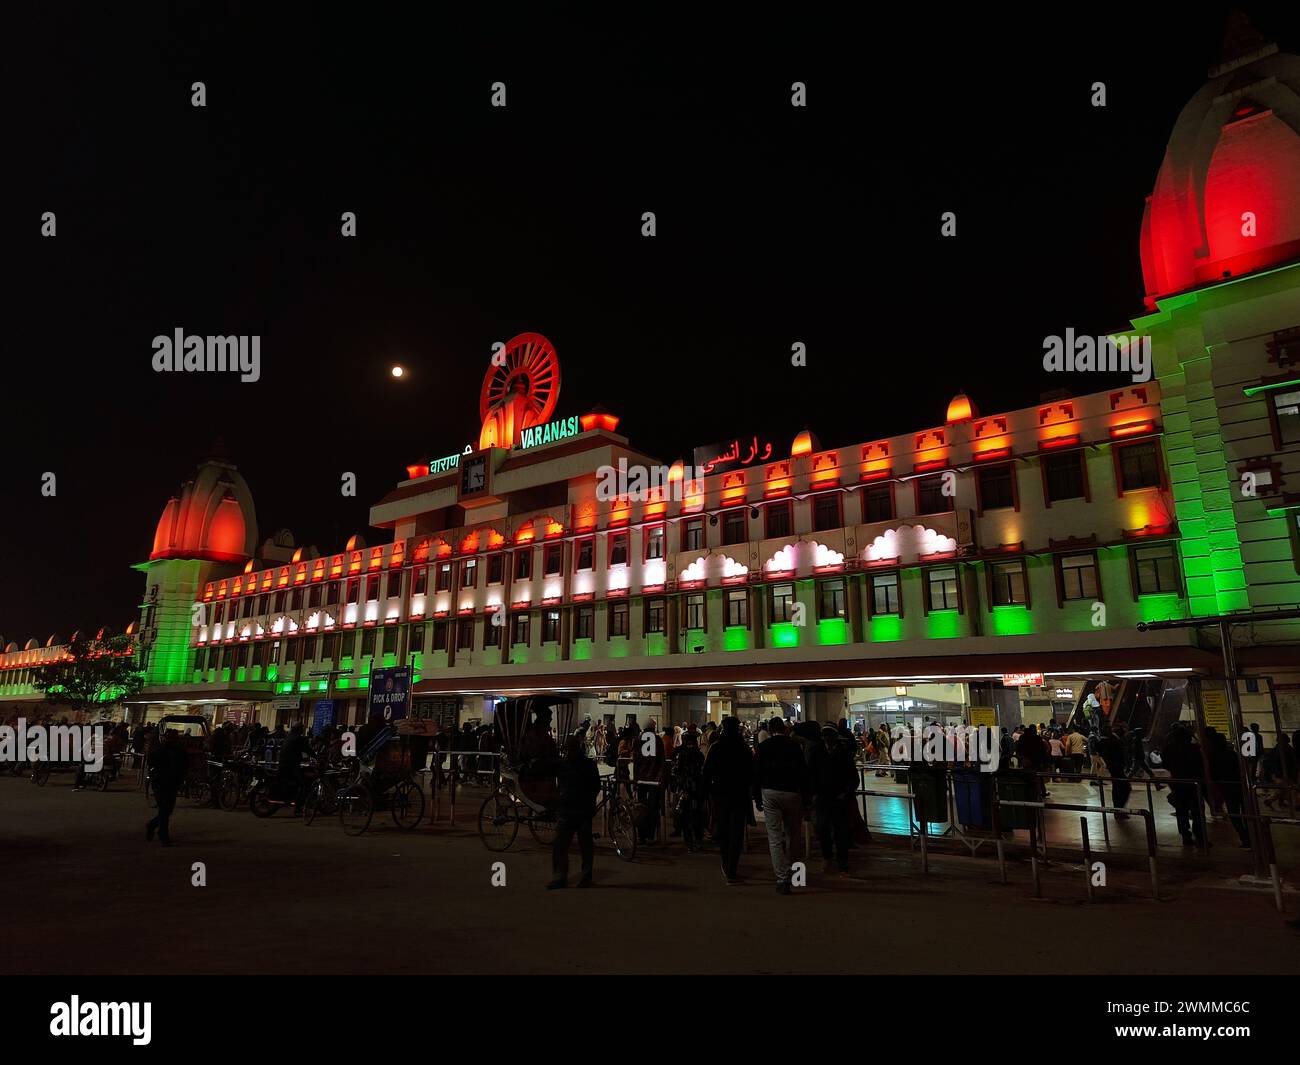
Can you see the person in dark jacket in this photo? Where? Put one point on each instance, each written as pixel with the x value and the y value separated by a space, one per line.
pixel 781 785
pixel 218 755
pixel 834 782
pixel 1225 773
pixel 1182 758
pixel 688 788
pixel 728 772
pixel 168 765
pixel 295 749
pixel 1113 750
pixel 579 787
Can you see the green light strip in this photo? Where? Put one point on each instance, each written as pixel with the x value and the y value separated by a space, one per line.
pixel 1255 390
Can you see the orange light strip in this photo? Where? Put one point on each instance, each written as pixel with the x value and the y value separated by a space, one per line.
pixel 1133 428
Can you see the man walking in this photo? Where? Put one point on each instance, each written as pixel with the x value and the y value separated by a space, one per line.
pixel 728 771
pixel 834 784
pixel 781 786
pixel 168 764
pixel 579 787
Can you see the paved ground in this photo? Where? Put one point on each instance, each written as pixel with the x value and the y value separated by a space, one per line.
pixel 91 896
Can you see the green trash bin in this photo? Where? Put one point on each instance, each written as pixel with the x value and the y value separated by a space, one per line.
pixel 930 792
pixel 1017 787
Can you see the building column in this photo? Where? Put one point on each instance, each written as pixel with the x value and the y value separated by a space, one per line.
pixel 672 624
pixel 853 590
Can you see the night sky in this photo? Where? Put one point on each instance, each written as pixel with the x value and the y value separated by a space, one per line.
pixel 775 225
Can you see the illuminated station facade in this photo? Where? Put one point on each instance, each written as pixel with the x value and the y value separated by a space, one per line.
pixel 988 567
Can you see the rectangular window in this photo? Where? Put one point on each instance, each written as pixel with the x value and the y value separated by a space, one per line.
pixel 695 610
pixel 1286 409
pixel 884 593
pixel 618 549
pixel 367 642
pixel 372 588
pixel 878 503
pixel 394 584
pixel 496 569
pixel 830 599
pixel 417 639
pixel 618 615
pixel 586 553
pixel 584 623
pixel 782 602
pixel 442 583
pixel 334 643
pixel 997 487
pixel 550 626
pixel 331 593
pixel 439 636
pixel 552 559
pixel 264 603
pixel 654 542
pixel 778 520
pixel 1139 466
pixel 354 589
pixel 420 582
pixel 930 496
pixel 1078 577
pixel 1157 569
pixel 738 607
pixel 524 564
pixel 735 526
pixel 464 634
pixel 381 643
pixel 295 600
pixel 1008 582
pixel 654 615
pixel 1063 475
pixel 313 596
pixel 942 586
pixel 492 630
pixel 693 535
pixel 519 628
pixel 826 512
pixel 469 573
pixel 280 598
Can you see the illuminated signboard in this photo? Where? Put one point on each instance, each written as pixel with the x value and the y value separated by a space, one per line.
pixel 448 462
pixel 536 435
pixel 718 458
pixel 1022 680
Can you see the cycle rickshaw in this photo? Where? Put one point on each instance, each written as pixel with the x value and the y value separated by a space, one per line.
pixel 384 778
pixel 527 793
pixel 193 733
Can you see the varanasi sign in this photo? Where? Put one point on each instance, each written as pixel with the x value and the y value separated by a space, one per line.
pixel 536 435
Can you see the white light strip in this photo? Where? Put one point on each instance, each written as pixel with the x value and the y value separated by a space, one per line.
pixel 789 683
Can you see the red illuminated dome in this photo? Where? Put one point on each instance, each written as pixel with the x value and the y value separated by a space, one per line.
pixel 212 518
pixel 1233 163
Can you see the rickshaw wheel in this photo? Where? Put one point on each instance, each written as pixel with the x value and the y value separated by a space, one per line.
pixel 260 801
pixel 498 821
pixel 311 802
pixel 356 808
pixel 41 775
pixel 229 790
pixel 622 831
pixel 544 827
pixel 407 805
pixel 200 792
